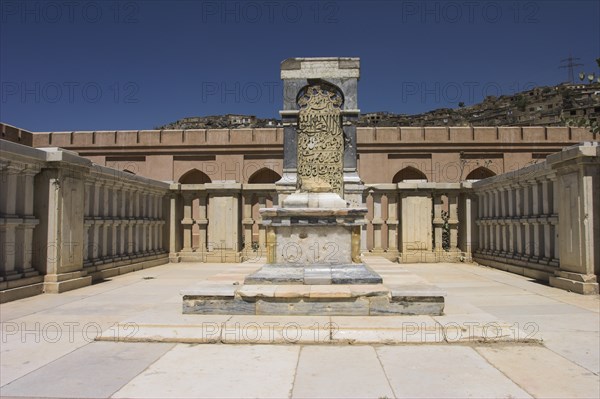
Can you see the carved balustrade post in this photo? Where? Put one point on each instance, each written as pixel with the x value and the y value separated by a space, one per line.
pixel 187 221
pixel 392 221
pixel 438 221
pixel 453 219
pixel 377 221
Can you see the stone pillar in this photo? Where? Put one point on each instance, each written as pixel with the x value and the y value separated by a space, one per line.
pixel 377 221
pixel 59 202
pixel 497 233
pixel 511 221
pixel 527 250
pixel 98 224
pixel 247 222
pixel 537 239
pixel 392 223
pixel 187 221
pixel 8 206
pixel 453 220
pixel 202 221
pixel 438 222
pixel 468 235
pixel 174 232
pixel 578 180
pixel 88 222
pixel 546 211
pixel 24 232
pixel 519 219
pixel 554 221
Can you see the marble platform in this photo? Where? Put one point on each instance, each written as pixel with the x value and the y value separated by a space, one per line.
pixel 357 273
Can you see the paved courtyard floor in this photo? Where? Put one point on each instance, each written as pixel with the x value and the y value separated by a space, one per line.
pixel 50 346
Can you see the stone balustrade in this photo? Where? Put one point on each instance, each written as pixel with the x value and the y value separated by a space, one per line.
pixel 518 220
pixel 235 231
pixel 124 221
pixel 65 221
pixel 542 221
pixel 417 222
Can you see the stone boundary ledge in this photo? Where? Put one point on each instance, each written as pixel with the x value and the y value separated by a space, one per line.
pixel 415 331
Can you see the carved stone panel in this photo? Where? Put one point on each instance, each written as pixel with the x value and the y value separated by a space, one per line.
pixel 320 140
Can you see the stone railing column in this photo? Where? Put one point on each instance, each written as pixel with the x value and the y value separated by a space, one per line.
pixel 60 206
pixel 537 239
pixel 98 224
pixel 438 221
pixel 262 233
pixel 247 220
pixel 578 197
pixel 392 222
pixel 88 222
pixel 377 222
pixel 187 221
pixel 24 249
pixel 496 217
pixel 175 233
pixel 8 229
pixel 364 232
pixel 468 225
pixel 453 220
pixel 547 226
pixel 519 215
pixel 527 225
pixel 511 237
pixel 203 221
pixel 479 222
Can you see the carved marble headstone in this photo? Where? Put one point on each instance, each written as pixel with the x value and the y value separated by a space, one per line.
pixel 313 237
pixel 337 76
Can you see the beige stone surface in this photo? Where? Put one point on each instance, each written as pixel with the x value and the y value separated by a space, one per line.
pixel 444 372
pixel 543 373
pixel 209 371
pixel 567 322
pixel 340 372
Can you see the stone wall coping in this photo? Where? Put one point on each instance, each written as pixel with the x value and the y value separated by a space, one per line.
pixel 8 148
pixel 273 137
pixel 526 174
pixel 585 149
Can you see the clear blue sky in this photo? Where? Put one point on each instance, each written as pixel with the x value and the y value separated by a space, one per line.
pixel 106 65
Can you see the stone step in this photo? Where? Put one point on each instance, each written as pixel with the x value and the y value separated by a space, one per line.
pixel 327 300
pixel 311 330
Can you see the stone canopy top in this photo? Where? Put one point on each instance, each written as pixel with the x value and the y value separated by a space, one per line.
pixel 321 68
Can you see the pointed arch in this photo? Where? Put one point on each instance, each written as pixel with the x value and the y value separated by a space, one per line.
pixel 194 176
pixel 264 176
pixel 480 173
pixel 409 173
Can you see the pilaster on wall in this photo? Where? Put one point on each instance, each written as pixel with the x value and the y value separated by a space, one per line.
pixel 578 179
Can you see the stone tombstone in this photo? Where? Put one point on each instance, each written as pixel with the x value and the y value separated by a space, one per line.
pixel 336 77
pixel 313 236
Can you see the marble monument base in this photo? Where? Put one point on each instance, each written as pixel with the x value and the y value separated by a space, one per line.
pixel 356 273
pixel 316 300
